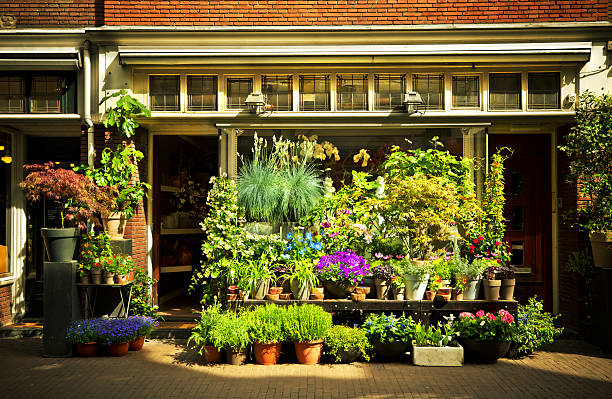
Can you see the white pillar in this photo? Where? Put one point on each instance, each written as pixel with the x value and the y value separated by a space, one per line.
pixel 18 227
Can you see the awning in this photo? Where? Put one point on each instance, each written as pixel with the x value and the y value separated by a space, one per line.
pixel 34 59
pixel 358 54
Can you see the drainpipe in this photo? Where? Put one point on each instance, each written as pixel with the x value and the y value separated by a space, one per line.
pixel 87 102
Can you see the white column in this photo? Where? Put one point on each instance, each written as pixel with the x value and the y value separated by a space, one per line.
pixel 18 226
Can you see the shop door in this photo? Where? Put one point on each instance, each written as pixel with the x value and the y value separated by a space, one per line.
pixel 528 212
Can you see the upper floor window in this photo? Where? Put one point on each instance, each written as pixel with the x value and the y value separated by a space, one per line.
pixel 164 91
pixel 238 89
pixel 388 91
pixel 278 91
pixel 352 92
pixel 505 91
pixel 314 93
pixel 544 90
pixel 466 91
pixel 35 93
pixel 431 89
pixel 202 93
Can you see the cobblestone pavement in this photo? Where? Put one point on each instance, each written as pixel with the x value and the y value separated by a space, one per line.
pixel 164 369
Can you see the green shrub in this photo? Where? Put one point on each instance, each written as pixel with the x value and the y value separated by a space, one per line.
pixel 231 331
pixel 201 335
pixel 433 335
pixel 341 338
pixel 307 323
pixel 535 327
pixel 266 323
pixel 388 328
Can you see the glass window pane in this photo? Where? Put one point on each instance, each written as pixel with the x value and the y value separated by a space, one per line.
pixel 238 89
pixel 466 91
pixel 314 93
pixel 278 91
pixel 202 93
pixel 431 89
pixel 46 94
pixel 12 94
pixel 164 93
pixel 505 91
pixel 544 90
pixel 388 91
pixel 352 92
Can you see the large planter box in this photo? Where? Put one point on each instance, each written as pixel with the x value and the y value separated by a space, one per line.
pixel 448 356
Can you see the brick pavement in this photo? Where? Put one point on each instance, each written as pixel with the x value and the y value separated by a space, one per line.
pixel 164 369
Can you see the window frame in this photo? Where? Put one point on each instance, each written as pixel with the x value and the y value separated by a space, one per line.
pixel 187 94
pixel 442 78
pixel 67 98
pixel 289 78
pixel 364 77
pixel 559 91
pixel 519 93
pixel 454 106
pixel 227 91
pixel 301 92
pixel 179 96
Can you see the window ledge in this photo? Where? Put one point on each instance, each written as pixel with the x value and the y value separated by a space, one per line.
pixel 40 116
pixel 7 280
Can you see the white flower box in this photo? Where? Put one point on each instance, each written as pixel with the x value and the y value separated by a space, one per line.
pixel 448 356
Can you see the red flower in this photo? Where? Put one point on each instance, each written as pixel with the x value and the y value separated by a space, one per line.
pixel 481 238
pixel 475 241
pixel 115 256
pixel 472 247
pixel 497 242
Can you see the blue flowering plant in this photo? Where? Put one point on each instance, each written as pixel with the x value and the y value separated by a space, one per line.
pixel 389 328
pixel 115 331
pixel 343 266
pixel 82 331
pixel 300 247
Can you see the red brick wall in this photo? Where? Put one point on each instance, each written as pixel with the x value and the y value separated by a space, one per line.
pixel 78 13
pixel 5 305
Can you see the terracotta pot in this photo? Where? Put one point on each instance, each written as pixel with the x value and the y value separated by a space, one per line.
pixel 119 349
pixel 96 276
pixel 491 289
pixel 362 290
pixel 284 297
pixel 443 297
pixel 232 297
pixel 131 276
pixel 601 246
pixel 445 290
pixel 430 295
pixel 137 344
pixel 276 290
pixel 506 291
pixel 383 288
pixel 87 349
pixel 308 352
pixel 109 278
pixel 232 289
pixel 316 297
pixel 121 278
pixel 272 297
pixel 457 295
pixel 318 290
pixel 212 354
pixel 267 353
pixel 358 297
pixel 115 225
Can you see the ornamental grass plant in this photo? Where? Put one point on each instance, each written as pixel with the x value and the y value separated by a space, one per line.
pixel 307 323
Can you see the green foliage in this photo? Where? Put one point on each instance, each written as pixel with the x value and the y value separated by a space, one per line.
pixel 93 248
pixel 307 323
pixel 342 338
pixel 388 328
pixel 535 327
pixel 117 169
pixel 589 146
pixel 302 189
pixel 581 262
pixel 230 331
pixel 267 324
pixel 123 113
pixel 432 335
pixel 302 272
pixel 442 267
pixel 261 192
pixel 201 335
pixel 141 301
pixel 486 326
pixel 408 267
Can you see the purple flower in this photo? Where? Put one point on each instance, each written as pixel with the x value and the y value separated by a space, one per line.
pixel 326 225
pixel 346 265
pixel 334 234
pixel 346 211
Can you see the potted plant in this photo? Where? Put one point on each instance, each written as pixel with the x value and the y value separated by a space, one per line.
pixel 534 328
pixel 302 278
pixel 467 275
pixel 116 334
pixel 506 292
pixel 415 276
pixel 398 288
pixel 307 325
pixel 589 147
pixel 485 337
pixel 123 266
pixel 433 286
pixel 389 335
pixel 143 326
pixel 81 200
pixel 347 344
pixel 255 277
pixel 108 264
pixel 383 274
pixel 84 334
pixel 94 247
pixel 436 346
pixel 201 334
pixel 231 333
pixel 491 281
pixel 341 272
pixel 267 330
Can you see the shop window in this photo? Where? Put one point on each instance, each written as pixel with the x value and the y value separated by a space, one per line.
pixel 238 89
pixel 314 93
pixel 466 92
pixel 431 89
pixel 544 90
pixel 46 95
pixel 12 94
pixel 165 93
pixel 352 92
pixel 504 91
pixel 278 91
pixel 202 93
pixel 388 91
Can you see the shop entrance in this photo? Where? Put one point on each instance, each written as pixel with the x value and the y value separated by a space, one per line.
pixel 182 168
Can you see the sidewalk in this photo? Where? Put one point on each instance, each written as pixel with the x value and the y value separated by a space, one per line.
pixel 163 369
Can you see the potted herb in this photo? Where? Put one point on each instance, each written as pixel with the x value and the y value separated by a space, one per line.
pixel 383 274
pixel 389 335
pixel 347 344
pixel 81 200
pixel 415 276
pixel 201 335
pixel 589 147
pixel 436 346
pixel 467 275
pixel 302 278
pixel 267 330
pixel 308 325
pixel 231 333
pixel 341 272
pixel 84 334
pixel 485 337
pixel 491 282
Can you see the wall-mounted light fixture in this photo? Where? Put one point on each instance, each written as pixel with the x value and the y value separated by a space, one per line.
pixel 6 157
pixel 255 102
pixel 411 100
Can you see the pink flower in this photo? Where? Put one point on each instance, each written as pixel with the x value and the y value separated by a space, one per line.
pixel 325 225
pixel 506 316
pixel 463 315
pixel 334 234
pixel 480 313
pixel 490 316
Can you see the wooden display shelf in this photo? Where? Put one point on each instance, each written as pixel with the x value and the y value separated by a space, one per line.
pixel 175 269
pixel 191 230
pixel 169 189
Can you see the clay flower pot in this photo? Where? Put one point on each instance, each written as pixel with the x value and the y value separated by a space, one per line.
pixel 212 354
pixel 457 295
pixel 267 353
pixel 118 349
pixel 137 344
pixel 276 290
pixel 430 295
pixel 87 349
pixel 362 290
pixel 121 278
pixel 272 297
pixel 232 297
pixel 316 297
pixel 318 290
pixel 357 297
pixel 308 352
pixel 232 289
pixel 284 297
